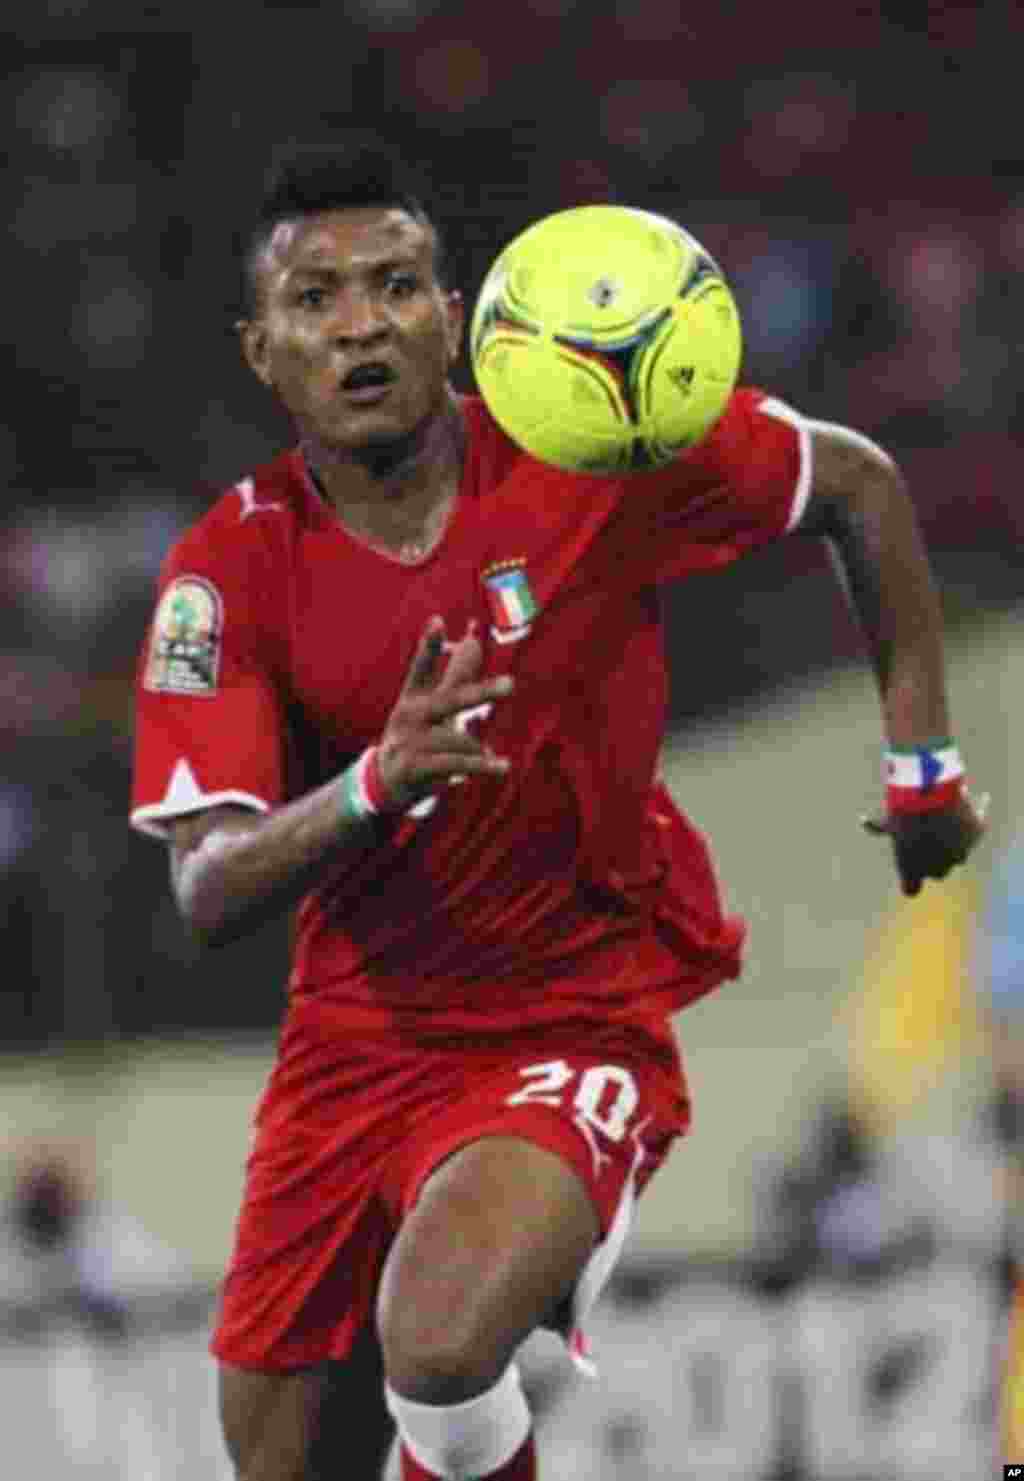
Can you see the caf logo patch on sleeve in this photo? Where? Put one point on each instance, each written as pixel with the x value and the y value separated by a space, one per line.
pixel 185 644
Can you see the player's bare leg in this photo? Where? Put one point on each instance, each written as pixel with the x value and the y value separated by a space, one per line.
pixel 269 1420
pixel 498 1238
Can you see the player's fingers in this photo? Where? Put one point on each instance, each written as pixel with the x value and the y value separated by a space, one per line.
pixel 448 763
pixel 443 742
pixel 447 703
pixel 981 806
pixel 879 827
pixel 423 670
pixel 465 658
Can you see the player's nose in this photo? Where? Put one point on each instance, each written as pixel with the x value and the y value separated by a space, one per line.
pixel 358 317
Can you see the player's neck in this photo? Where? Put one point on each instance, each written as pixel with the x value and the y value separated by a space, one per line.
pixel 394 496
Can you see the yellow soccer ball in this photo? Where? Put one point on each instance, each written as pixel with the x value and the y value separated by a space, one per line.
pixel 605 340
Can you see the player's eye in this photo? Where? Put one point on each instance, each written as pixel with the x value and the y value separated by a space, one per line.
pixel 402 285
pixel 313 297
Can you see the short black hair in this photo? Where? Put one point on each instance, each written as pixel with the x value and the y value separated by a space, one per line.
pixel 333 173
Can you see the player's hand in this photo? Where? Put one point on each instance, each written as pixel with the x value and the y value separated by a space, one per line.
pixel 928 845
pixel 428 741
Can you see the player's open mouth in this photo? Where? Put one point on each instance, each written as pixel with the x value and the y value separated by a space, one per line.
pixel 368 383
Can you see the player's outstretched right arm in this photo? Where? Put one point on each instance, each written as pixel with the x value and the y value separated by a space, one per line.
pixel 231 869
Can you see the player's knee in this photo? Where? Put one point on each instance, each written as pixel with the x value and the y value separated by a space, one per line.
pixel 442 1375
pixel 435 1357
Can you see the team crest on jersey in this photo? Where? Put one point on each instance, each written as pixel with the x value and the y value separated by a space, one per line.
pixel 184 649
pixel 512 603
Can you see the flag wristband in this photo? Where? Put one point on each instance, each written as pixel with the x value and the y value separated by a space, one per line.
pixel 362 792
pixel 920 779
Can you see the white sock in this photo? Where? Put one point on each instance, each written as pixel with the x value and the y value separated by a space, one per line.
pixel 469 1439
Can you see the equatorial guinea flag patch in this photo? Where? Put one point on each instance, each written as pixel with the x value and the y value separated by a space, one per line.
pixel 512 603
pixel 185 643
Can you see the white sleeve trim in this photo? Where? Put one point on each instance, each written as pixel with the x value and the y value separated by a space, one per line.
pixel 183 796
pixel 785 413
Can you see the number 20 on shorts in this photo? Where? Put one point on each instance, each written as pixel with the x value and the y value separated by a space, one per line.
pixel 606 1094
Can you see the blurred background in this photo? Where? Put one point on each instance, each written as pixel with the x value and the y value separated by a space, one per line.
pixel 826 1261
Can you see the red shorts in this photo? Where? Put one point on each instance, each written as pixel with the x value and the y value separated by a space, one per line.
pixel 348 1131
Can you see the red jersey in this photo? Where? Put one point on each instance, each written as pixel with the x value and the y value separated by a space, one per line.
pixel 570 888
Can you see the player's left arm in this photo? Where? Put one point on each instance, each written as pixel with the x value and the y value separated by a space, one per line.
pixel 859 503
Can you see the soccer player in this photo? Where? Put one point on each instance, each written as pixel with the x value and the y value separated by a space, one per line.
pixel 411 681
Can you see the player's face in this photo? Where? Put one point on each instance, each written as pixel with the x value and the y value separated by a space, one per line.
pixel 355 334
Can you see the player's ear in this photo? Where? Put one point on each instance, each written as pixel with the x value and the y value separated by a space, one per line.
pixel 252 336
pixel 455 318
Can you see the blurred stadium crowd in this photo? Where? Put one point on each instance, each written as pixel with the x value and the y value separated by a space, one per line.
pixel 862 187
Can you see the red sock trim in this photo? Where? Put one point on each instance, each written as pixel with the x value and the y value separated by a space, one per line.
pixel 521 1467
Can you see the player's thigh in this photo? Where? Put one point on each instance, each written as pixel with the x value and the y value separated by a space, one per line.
pixel 496 1239
pixel 269 1421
